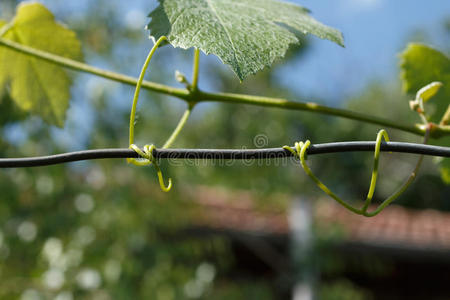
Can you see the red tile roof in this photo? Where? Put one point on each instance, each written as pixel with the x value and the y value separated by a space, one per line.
pixel 395 226
pixel 238 212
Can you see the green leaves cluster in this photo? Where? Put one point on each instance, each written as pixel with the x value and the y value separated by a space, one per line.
pixel 35 86
pixel 248 35
pixel 421 65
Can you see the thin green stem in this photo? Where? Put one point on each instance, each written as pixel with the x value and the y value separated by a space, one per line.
pixel 446 117
pixel 376 159
pixel 411 177
pixel 147 154
pixel 138 87
pixel 404 186
pixel 179 127
pixel 5 29
pixel 194 86
pixel 421 112
pixel 189 96
pixel 300 152
pixel 307 106
pixel 400 191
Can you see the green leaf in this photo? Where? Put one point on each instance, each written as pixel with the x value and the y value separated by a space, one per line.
pixel 37 86
pixel 428 91
pixel 248 35
pixel 421 65
pixel 445 170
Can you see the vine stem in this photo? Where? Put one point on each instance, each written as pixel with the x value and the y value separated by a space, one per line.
pixel 308 106
pixel 300 152
pixel 5 28
pixel 406 184
pixel 179 127
pixel 187 113
pixel 198 96
pixel 194 86
pixel 81 67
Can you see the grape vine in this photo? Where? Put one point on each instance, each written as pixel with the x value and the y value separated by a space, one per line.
pixel 232 46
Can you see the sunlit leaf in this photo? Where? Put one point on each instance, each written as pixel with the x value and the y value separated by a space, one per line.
pixel 37 86
pixel 421 65
pixel 248 35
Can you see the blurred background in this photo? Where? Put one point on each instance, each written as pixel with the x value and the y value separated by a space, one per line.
pixel 104 230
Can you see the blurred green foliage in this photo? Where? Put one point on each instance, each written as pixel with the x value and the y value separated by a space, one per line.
pixel 104 230
pixel 343 290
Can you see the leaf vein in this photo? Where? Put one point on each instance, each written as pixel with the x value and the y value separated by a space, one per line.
pixel 178 17
pixel 228 35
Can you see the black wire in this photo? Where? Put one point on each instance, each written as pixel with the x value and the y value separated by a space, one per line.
pixel 225 154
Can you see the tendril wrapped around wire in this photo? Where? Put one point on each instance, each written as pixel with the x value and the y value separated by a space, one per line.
pixel 149 159
pixel 300 153
pixel 147 154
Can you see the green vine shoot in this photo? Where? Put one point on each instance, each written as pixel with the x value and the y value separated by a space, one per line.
pixel 246 47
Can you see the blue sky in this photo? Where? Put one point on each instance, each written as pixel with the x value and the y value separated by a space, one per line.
pixel 375 31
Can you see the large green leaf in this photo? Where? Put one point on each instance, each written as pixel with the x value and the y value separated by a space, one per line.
pixel 248 35
pixel 37 86
pixel 421 65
